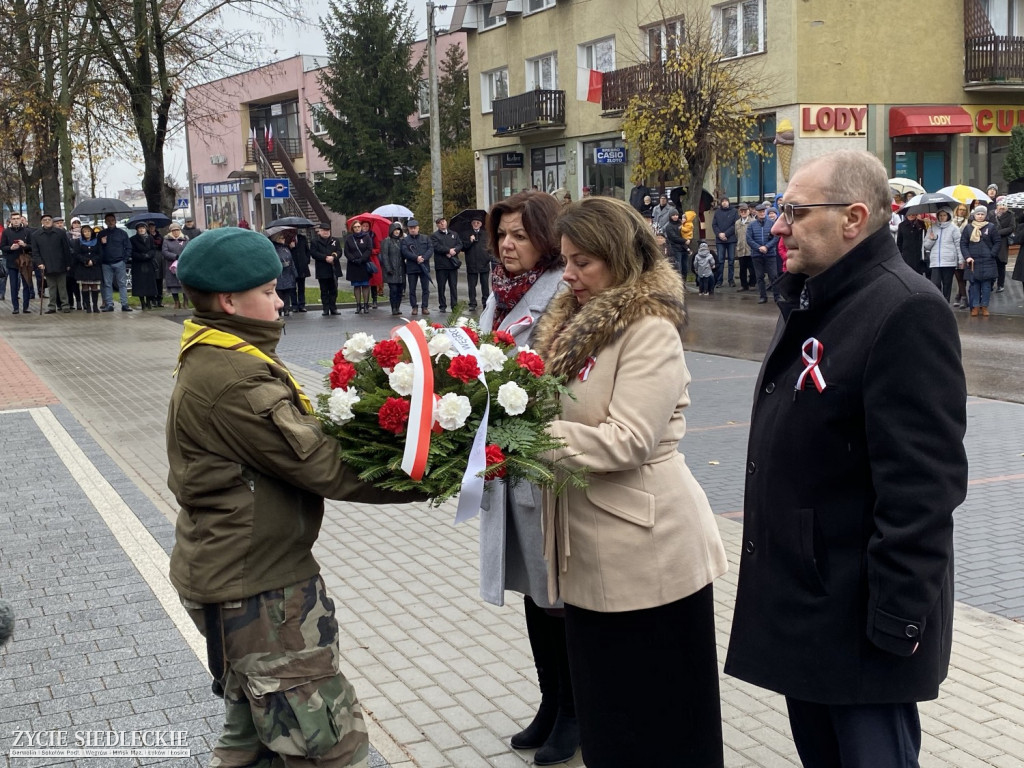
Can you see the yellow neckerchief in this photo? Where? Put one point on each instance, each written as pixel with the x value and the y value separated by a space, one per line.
pixel 202 334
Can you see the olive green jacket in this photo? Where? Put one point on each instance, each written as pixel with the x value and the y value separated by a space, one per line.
pixel 249 469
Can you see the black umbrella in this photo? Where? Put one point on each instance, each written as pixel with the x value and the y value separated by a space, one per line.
pixel 149 216
pixel 463 220
pixel 99 206
pixel 292 222
pixel 929 202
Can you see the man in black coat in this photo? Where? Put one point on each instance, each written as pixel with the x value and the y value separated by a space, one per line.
pixel 300 258
pixel 855 465
pixel 910 241
pixel 447 247
pixel 15 245
pixel 51 252
pixel 478 263
pixel 417 251
pixel 326 252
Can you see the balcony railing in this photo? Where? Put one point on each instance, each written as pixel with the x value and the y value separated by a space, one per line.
pixel 533 110
pixel 995 59
pixel 292 146
pixel 621 85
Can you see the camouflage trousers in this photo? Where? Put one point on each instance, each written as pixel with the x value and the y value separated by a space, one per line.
pixel 286 702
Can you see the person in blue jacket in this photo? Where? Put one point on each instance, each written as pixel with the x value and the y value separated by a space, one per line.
pixel 764 252
pixel 115 250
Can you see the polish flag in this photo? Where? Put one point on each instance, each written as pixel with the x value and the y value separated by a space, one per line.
pixel 588 84
pixel 269 132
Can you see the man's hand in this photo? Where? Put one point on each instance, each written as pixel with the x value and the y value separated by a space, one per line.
pixel 451 251
pixel 721 236
pixel 763 249
pixel 330 258
pixel 419 259
pixel 41 267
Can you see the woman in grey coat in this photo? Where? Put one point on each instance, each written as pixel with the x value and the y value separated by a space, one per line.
pixel 174 243
pixel 529 274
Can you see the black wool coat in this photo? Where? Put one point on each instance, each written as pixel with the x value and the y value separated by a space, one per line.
pixel 478 258
pixel 319 249
pixel 846 578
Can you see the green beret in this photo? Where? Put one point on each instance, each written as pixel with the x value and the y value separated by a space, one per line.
pixel 228 260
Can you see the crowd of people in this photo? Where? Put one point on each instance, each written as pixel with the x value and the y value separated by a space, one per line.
pixel 80 267
pixel 844 600
pixel 969 243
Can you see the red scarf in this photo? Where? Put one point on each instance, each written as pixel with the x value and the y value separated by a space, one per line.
pixel 509 289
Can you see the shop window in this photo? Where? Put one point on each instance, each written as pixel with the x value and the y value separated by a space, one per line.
pixel 758 180
pixel 547 166
pixel 608 179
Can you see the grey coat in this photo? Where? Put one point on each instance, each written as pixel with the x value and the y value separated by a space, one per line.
pixel 511 539
pixel 171 250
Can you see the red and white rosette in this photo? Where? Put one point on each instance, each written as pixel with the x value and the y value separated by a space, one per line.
pixel 421 408
pixel 812 352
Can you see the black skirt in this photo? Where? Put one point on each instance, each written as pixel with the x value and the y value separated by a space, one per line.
pixel 646 684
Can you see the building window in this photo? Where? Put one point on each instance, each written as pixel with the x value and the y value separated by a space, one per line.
pixel 423 99
pixel 599 55
pixel 1005 16
pixel 316 113
pixel 491 21
pixel 499 179
pixel 493 85
pixel 542 73
pixel 740 27
pixel 662 40
pixel 539 5
pixel 608 179
pixel 547 166
pixel 758 180
pixel 986 155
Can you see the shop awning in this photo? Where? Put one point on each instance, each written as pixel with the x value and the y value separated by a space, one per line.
pixel 911 121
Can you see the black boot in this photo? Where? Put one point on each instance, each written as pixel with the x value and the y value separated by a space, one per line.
pixel 545 657
pixel 564 739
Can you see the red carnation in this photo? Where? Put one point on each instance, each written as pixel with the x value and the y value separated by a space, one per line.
pixel 437 325
pixel 339 357
pixel 464 368
pixel 341 374
pixel 504 337
pixel 472 334
pixel 531 362
pixel 394 415
pixel 388 352
pixel 494 456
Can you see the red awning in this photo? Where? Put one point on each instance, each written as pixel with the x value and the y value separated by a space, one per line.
pixel 911 121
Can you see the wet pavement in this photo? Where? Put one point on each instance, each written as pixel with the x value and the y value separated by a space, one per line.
pixel 444 678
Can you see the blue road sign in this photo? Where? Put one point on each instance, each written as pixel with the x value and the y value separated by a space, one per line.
pixel 276 189
pixel 181 202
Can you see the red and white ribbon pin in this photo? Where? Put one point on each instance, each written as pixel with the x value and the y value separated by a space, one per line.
pixel 584 373
pixel 812 352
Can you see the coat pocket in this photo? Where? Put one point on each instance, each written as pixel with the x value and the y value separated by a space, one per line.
pixel 630 504
pixel 812 552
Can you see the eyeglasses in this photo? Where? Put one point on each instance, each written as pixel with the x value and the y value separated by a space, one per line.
pixel 789 210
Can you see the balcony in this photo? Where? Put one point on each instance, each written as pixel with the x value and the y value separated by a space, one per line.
pixel 293 147
pixel 528 112
pixel 994 62
pixel 623 84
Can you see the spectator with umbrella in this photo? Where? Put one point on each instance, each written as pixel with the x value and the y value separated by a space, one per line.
pixel 478 262
pixel 979 244
pixel 146 259
pixel 171 249
pixel 116 250
pixel 358 248
pixel 942 249
pixel 281 237
pixel 300 258
pixel 393 267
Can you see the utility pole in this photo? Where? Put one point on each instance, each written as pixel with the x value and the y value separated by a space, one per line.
pixel 436 199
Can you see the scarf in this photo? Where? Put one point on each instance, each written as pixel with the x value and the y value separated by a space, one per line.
pixel 202 334
pixel 88 243
pixel 509 289
pixel 976 232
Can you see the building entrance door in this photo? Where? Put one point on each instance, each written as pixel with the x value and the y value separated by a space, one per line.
pixel 927 162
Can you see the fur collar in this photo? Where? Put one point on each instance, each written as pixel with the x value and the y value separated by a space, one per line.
pixel 568 333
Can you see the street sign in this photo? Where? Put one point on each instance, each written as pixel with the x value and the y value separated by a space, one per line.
pixel 181 202
pixel 609 155
pixel 276 189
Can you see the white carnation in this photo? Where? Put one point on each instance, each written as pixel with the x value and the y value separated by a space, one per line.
pixel 358 347
pixel 427 329
pixel 439 344
pixel 401 378
pixel 340 404
pixel 512 398
pixel 491 358
pixel 525 348
pixel 461 322
pixel 451 411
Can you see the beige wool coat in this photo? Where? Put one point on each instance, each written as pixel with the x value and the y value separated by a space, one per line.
pixel 642 534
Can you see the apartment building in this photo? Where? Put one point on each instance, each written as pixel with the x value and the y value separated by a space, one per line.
pixel 933 87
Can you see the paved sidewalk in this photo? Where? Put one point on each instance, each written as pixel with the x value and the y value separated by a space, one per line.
pixel 444 677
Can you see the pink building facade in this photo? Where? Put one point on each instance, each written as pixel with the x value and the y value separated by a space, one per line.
pixel 273 107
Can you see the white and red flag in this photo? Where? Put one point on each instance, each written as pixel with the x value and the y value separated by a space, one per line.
pixel 588 84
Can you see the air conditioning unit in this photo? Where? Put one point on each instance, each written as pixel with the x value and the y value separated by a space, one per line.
pixel 218 159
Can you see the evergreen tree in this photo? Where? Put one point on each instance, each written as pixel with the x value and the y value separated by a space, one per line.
pixel 453 93
pixel 1013 165
pixel 370 90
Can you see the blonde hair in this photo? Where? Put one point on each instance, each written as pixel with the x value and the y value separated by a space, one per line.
pixel 612 231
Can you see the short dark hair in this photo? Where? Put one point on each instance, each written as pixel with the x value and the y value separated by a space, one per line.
pixel 204 301
pixel 539 211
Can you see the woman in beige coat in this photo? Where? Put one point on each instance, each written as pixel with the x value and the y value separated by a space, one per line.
pixel 634 554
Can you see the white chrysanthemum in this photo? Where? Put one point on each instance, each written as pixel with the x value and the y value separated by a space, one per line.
pixel 428 331
pixel 512 398
pixel 358 347
pixel 401 378
pixel 462 321
pixel 340 404
pixel 491 358
pixel 439 344
pixel 451 411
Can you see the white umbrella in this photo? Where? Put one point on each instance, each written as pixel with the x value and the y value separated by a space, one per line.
pixel 903 186
pixel 394 211
pixel 1016 200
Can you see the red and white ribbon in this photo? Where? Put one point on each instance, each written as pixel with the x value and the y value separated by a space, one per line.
pixel 421 409
pixel 587 368
pixel 812 352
